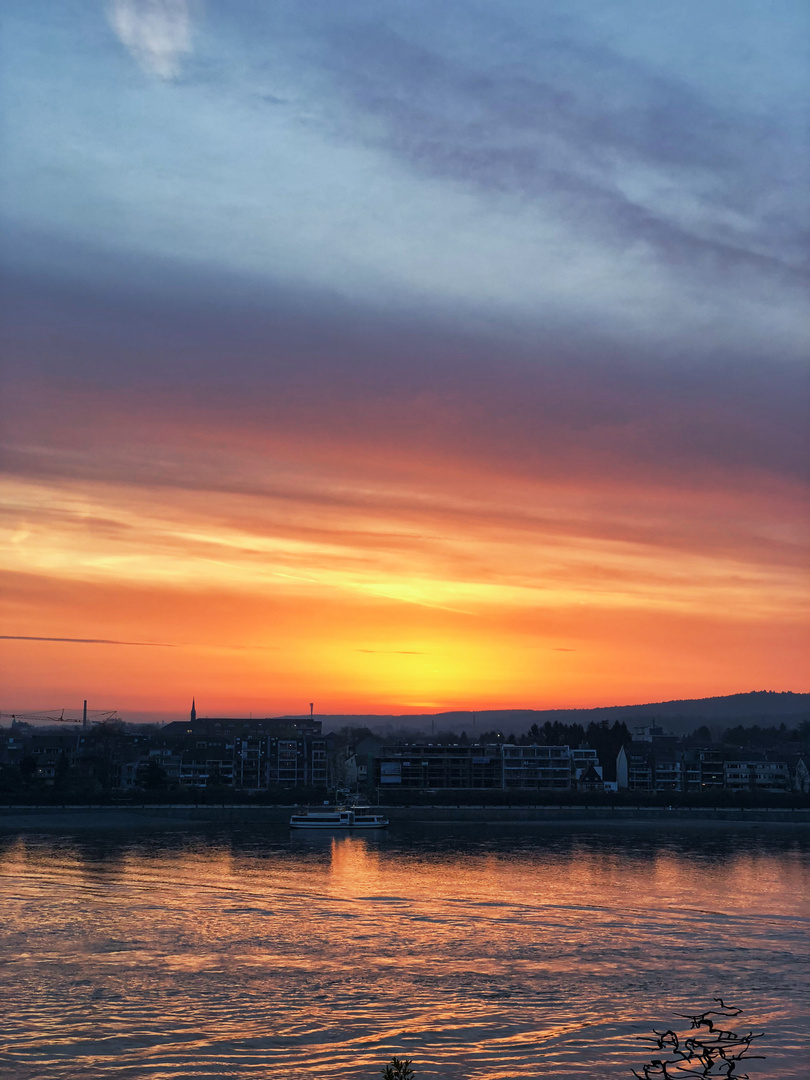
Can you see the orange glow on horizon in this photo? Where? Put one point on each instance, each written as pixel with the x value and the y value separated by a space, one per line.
pixel 370 592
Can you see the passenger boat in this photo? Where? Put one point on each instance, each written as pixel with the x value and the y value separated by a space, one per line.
pixel 340 817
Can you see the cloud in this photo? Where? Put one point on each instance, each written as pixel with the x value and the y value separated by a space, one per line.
pixel 156 32
pixel 393 652
pixel 613 146
pixel 357 383
pixel 86 641
pixel 112 641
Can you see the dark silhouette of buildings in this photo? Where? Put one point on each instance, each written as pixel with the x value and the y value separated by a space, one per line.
pixel 286 753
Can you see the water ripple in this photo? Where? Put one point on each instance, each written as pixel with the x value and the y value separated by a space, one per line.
pixel 248 955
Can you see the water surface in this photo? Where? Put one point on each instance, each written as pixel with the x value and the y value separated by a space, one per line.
pixel 478 952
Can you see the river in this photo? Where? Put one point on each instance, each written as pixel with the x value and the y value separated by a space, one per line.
pixel 478 952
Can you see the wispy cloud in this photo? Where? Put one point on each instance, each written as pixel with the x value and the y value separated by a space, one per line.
pixel 634 155
pixel 156 32
pixel 113 641
pixel 87 641
pixel 393 652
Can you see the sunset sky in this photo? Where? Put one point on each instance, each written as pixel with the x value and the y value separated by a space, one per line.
pixel 403 356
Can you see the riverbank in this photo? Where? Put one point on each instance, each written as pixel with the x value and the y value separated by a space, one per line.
pixel 180 816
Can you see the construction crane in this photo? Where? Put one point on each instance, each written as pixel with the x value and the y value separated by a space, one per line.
pixel 57 716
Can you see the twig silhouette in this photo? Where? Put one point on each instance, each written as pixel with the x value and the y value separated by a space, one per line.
pixel 717 1053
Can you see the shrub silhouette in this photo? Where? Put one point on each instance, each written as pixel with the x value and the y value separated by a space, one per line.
pixel 398 1069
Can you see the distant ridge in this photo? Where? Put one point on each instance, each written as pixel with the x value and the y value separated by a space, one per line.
pixel 758 706
pixel 764 707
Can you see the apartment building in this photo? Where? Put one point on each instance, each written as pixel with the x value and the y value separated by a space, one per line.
pixel 548 767
pixel 433 767
pixel 650 766
pixel 757 775
pixel 429 766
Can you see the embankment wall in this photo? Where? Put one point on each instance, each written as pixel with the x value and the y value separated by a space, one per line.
pixel 101 817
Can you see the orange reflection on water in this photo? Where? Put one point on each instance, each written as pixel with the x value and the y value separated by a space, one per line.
pixel 488 953
pixel 355 865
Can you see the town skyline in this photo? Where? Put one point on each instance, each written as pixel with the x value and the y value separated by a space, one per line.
pixel 276 758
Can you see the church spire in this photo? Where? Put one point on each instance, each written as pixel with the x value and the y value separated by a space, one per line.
pixel 193 710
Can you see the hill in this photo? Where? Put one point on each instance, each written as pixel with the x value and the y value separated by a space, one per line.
pixel 763 707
